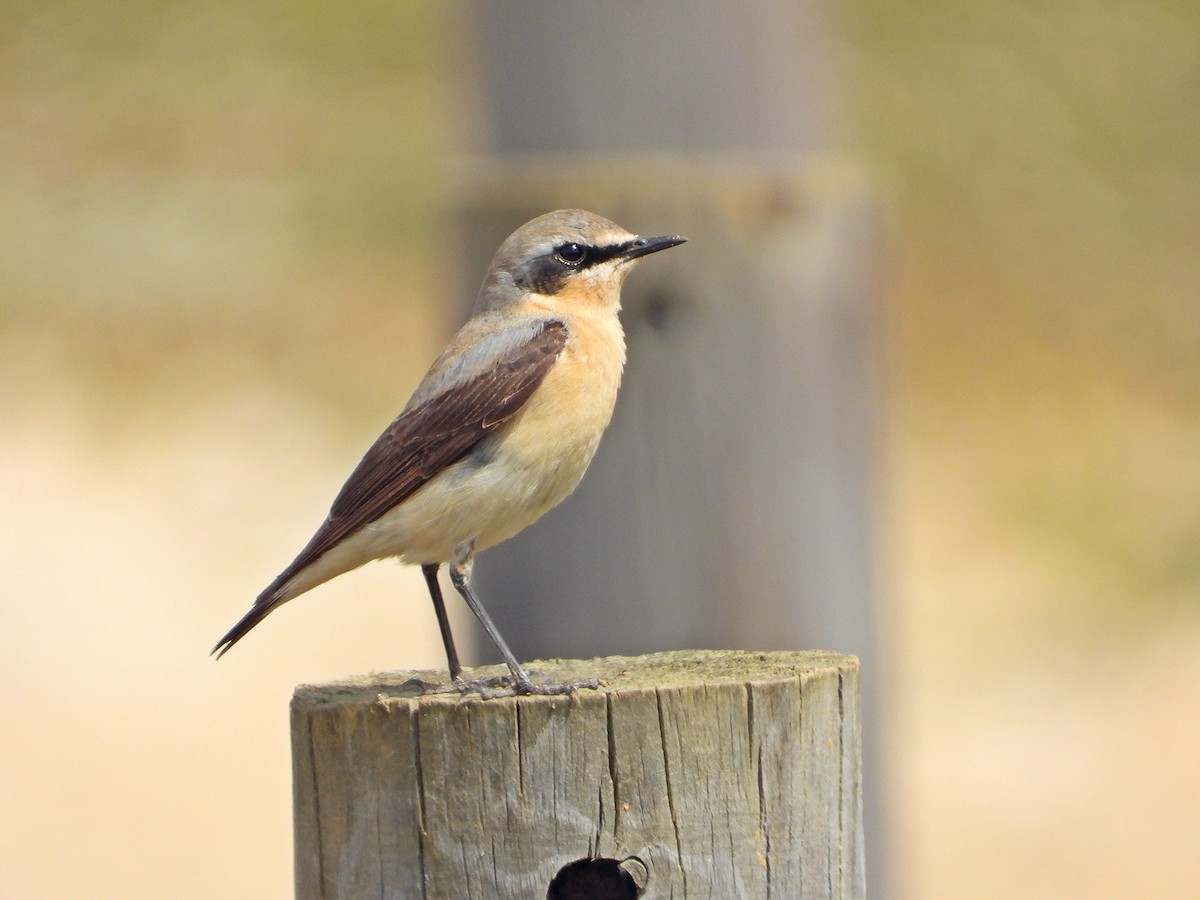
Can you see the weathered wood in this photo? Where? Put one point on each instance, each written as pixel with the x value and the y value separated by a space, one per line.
pixel 726 774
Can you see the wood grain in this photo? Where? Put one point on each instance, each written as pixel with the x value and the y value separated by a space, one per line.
pixel 727 774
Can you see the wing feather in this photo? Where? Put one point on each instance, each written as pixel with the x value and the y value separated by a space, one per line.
pixel 435 434
pixel 422 441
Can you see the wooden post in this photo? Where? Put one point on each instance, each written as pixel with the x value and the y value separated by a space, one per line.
pixel 737 484
pixel 709 774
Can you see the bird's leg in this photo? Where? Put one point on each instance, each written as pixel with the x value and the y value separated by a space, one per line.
pixel 457 682
pixel 460 574
pixel 430 571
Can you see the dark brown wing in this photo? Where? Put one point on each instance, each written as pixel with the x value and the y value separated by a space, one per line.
pixel 416 446
pixel 424 440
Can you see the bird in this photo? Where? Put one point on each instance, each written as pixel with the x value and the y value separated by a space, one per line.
pixel 499 431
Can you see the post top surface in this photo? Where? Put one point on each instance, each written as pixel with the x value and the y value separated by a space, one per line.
pixel 673 669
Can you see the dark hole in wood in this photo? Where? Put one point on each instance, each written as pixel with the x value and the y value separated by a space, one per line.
pixel 594 879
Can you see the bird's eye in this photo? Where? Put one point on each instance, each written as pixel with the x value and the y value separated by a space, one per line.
pixel 570 254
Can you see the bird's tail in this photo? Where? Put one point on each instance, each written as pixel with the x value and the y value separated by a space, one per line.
pixel 268 601
pixel 291 582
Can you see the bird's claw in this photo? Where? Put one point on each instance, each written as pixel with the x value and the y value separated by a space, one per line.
pixel 500 686
pixel 515 686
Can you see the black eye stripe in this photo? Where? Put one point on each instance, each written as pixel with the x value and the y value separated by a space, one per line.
pixel 603 254
pixel 591 255
pixel 549 273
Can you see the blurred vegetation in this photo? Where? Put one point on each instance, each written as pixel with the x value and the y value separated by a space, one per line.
pixel 1044 160
pixel 197 193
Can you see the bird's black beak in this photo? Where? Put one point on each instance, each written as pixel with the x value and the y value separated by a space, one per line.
pixel 642 246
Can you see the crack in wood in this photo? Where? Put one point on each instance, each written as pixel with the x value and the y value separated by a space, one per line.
pixel 662 732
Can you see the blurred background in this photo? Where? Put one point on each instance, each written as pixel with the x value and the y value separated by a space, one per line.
pixel 226 257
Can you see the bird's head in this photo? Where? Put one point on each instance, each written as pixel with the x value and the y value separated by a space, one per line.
pixel 571 255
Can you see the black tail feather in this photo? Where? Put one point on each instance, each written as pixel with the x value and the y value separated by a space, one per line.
pixel 261 609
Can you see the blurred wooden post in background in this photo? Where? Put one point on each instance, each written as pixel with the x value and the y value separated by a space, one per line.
pixel 732 501
pixel 728 505
pixel 710 774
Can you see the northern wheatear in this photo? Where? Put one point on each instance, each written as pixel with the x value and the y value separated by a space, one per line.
pixel 499 431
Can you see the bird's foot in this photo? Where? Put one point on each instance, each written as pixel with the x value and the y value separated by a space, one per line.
pixel 522 685
pixel 517 686
pixel 500 686
pixel 557 687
